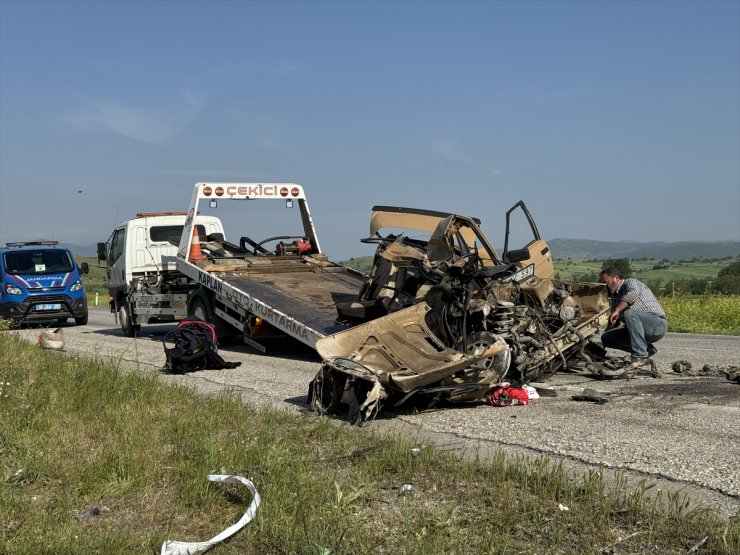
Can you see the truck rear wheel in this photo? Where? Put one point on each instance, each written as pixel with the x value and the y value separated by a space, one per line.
pixel 125 320
pixel 200 309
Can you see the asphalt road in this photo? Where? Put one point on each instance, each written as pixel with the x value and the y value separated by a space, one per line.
pixel 680 432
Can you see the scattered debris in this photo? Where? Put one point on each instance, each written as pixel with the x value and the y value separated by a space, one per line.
pixel 531 392
pixel 730 371
pixel 563 507
pixel 732 374
pixel 505 395
pixel 545 391
pixel 612 368
pixel 52 339
pixel 698 545
pixel 681 367
pixel 170 547
pixel 95 511
pixel 590 395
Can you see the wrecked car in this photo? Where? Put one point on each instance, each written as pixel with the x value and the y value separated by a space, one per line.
pixel 442 317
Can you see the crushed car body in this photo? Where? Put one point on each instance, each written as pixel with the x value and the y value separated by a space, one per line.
pixel 443 318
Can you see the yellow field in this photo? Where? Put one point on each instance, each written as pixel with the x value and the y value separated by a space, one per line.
pixel 713 314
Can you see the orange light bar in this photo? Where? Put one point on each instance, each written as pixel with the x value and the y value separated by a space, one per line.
pixel 150 214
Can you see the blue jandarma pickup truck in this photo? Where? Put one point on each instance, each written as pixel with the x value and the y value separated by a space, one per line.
pixel 41 281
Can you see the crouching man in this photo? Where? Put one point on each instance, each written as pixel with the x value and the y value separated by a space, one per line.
pixel 644 319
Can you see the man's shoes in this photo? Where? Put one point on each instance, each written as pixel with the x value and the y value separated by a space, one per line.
pixel 642 364
pixel 651 350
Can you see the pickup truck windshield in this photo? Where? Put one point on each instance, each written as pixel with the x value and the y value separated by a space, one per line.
pixel 47 261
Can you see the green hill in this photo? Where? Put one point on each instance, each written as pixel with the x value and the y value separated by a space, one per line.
pixel 684 250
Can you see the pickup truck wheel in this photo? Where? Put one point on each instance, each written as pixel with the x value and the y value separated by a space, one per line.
pixel 82 320
pixel 127 324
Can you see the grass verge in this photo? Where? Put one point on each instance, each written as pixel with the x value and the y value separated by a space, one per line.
pixel 78 435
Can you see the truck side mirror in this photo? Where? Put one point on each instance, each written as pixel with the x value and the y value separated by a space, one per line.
pixel 84 268
pixel 102 252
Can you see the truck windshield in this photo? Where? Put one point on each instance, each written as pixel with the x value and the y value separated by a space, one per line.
pixel 172 233
pixel 47 261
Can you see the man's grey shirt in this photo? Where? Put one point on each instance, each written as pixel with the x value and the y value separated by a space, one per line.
pixel 638 296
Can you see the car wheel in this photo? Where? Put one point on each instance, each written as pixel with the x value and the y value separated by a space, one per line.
pixel 82 320
pixel 478 343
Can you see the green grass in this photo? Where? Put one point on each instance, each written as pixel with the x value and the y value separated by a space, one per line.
pixel 361 263
pixel 78 435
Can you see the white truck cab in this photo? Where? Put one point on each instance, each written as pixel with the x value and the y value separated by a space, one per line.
pixel 137 254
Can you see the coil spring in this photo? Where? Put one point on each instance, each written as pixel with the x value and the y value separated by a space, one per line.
pixel 502 319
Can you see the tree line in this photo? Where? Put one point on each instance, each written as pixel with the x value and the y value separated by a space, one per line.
pixel 727 281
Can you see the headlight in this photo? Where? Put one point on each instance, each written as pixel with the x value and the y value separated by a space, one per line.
pixel 76 286
pixel 11 289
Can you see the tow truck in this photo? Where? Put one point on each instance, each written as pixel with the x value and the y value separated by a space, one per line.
pixel 262 291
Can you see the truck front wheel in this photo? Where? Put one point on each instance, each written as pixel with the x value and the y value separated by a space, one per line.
pixel 124 318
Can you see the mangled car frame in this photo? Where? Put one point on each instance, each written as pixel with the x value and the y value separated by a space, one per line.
pixel 443 317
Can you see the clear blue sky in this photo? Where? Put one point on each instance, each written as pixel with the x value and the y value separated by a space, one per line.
pixel 611 120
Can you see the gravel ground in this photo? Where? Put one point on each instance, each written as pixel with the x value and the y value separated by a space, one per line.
pixel 679 432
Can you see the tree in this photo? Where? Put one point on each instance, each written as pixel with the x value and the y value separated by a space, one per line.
pixel 731 270
pixel 696 286
pixel 621 264
pixel 728 280
pixel 727 285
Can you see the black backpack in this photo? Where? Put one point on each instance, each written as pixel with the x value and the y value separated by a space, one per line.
pixel 194 348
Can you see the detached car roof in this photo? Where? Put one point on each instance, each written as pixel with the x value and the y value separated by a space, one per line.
pixel 407 218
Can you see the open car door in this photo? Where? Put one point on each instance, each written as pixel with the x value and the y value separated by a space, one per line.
pixel 523 244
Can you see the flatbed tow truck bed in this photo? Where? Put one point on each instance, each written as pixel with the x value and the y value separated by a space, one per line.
pixel 302 288
pixel 292 286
